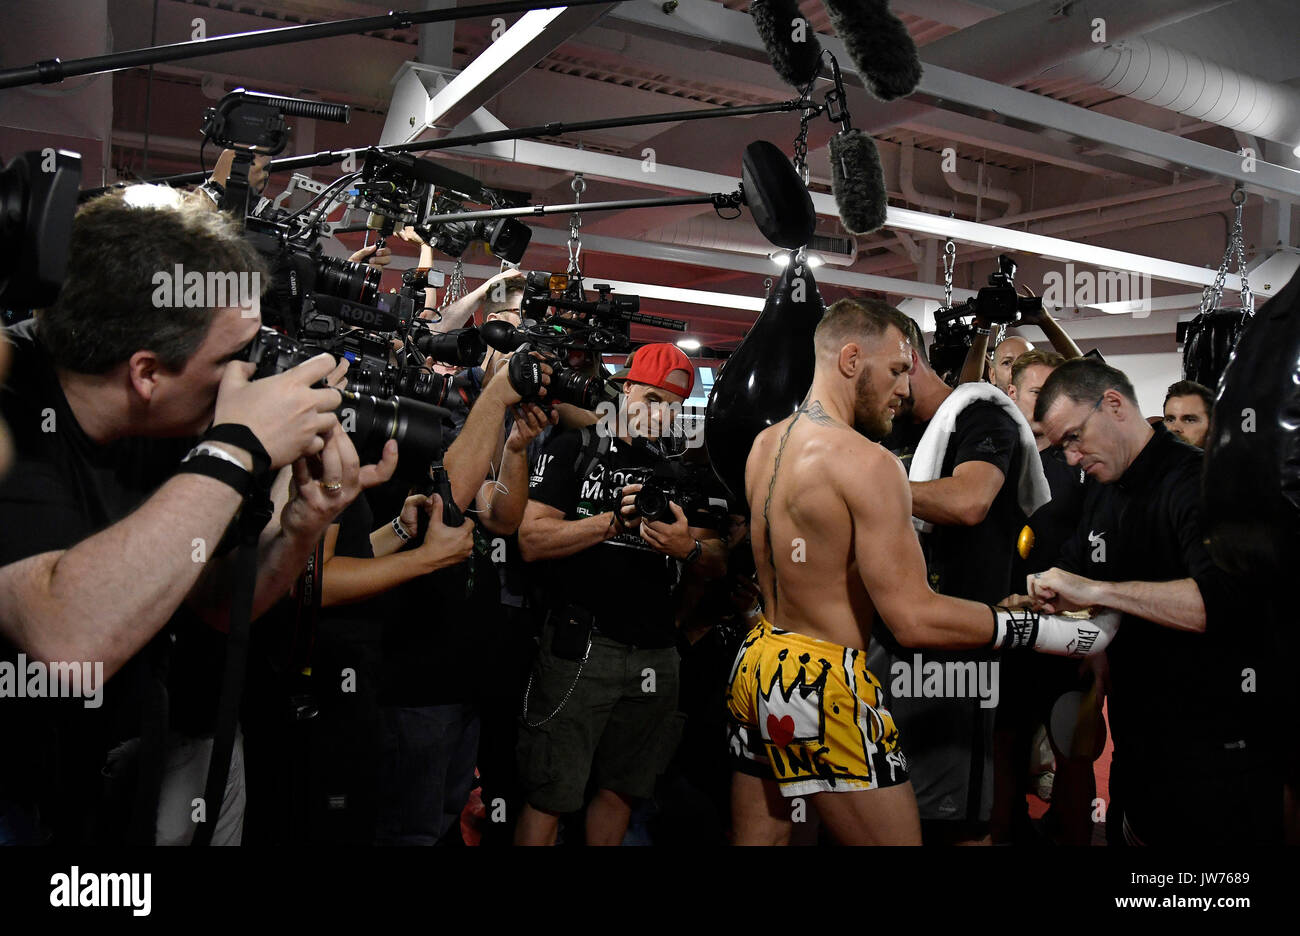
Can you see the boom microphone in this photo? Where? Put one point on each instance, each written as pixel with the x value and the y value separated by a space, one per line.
pixel 858 181
pixel 879 45
pixel 795 61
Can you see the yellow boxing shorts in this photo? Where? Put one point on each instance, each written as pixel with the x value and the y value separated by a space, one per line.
pixel 810 715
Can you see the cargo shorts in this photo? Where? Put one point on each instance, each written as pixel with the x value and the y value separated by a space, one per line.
pixel 618 726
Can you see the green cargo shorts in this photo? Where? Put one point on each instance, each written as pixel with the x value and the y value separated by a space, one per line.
pixel 619 726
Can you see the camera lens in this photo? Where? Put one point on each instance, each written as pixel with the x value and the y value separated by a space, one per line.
pixel 652 503
pixel 417 427
pixel 570 386
pixel 347 280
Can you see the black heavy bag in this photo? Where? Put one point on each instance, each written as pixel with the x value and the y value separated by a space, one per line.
pixel 1208 344
pixel 1251 482
pixel 767 377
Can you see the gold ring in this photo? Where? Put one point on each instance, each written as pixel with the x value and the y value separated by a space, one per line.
pixel 333 487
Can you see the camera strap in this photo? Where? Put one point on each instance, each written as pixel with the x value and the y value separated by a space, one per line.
pixel 253 518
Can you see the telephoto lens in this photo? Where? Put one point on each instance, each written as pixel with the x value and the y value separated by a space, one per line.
pixel 347 280
pixel 571 386
pixel 419 383
pixel 463 347
pixel 369 419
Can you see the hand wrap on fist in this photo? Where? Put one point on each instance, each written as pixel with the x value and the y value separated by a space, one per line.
pixel 1053 633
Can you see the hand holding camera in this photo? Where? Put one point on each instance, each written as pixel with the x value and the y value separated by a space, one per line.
pixel 672 539
pixel 443 545
pixel 290 416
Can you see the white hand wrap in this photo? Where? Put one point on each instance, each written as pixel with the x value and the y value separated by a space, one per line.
pixel 1054 633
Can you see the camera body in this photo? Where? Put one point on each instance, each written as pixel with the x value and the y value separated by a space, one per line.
pixel 998 303
pixel 684 485
pixel 369 419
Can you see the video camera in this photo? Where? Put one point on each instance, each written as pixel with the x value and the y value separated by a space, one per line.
pixel 38 198
pixel 998 303
pixel 578 328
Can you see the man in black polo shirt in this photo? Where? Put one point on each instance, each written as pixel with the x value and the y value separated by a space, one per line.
pixel 1191 685
pixel 602 702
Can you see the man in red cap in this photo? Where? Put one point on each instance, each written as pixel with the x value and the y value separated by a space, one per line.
pixel 602 699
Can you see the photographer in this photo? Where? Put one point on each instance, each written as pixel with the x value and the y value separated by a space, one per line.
pixel 111 537
pixel 996 367
pixel 603 696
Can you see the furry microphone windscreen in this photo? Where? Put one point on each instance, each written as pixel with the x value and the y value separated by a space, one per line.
pixel 879 45
pixel 858 181
pixel 792 47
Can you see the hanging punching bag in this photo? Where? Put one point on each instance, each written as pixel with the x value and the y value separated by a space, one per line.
pixel 1210 338
pixel 767 377
pixel 1251 481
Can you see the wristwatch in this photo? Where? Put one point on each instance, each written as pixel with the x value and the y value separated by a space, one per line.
pixel 694 553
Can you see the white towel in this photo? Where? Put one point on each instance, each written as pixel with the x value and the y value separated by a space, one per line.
pixel 927 462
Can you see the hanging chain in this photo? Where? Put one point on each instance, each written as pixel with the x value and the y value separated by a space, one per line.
pixel 575 222
pixel 949 261
pixel 801 141
pixel 455 285
pixel 1212 295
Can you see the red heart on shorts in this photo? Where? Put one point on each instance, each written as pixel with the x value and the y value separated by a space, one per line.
pixel 781 732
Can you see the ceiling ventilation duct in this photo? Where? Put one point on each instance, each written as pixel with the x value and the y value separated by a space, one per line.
pixel 1190 84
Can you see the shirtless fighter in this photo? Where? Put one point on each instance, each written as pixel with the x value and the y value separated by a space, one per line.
pixel 834 546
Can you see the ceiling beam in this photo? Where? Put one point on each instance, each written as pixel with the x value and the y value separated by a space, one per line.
pixel 717 28
pixel 677 178
pixel 505 60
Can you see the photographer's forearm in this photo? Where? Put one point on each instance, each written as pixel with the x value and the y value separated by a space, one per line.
pixel 347 579
pixel 105 598
pixel 546 538
pixel 469 456
pixel 712 563
pixel 1062 342
pixel 972 369
pixel 506 511
pixel 461 311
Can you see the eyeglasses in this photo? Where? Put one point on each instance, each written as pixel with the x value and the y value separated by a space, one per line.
pixel 1071 440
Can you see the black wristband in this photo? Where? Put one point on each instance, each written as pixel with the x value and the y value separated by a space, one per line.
pixel 241 437
pixel 219 469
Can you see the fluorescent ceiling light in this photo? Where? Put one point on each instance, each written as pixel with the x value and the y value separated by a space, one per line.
pixel 782 257
pixel 689 344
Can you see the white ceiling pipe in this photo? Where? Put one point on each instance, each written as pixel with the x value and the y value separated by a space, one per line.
pixel 1190 84
pixel 906 167
pixel 966 187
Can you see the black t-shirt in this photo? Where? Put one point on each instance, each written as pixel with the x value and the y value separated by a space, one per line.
pixel 974 562
pixel 624 583
pixel 1055 521
pixel 1176 697
pixel 63 487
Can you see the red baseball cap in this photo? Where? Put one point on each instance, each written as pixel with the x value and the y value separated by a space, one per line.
pixel 654 364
